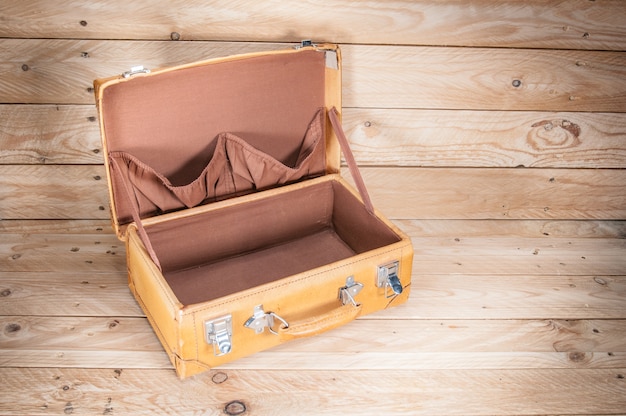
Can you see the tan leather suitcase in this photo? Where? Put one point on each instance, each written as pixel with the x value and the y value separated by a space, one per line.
pixel 241 234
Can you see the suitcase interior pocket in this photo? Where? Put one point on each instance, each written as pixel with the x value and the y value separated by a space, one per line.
pixel 232 167
pixel 223 251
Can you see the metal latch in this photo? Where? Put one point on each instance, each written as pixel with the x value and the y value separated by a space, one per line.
pixel 135 70
pixel 349 291
pixel 305 43
pixel 388 278
pixel 261 320
pixel 219 332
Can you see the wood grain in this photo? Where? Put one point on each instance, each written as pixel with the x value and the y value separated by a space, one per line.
pixel 540 229
pixel 55 294
pixel 458 193
pixel 457 78
pixel 58 71
pixel 408 392
pixel 443 138
pixel 79 192
pixel 53 192
pixel 62 252
pixel 54 134
pixel 576 24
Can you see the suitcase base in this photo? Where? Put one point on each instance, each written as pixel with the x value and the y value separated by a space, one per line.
pixel 291 262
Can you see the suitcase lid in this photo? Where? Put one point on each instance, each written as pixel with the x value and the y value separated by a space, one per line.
pixel 193 134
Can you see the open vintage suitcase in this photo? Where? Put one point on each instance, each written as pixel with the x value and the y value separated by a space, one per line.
pixel 241 234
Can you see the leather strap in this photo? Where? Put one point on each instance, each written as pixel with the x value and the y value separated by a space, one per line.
pixel 320 323
pixel 136 217
pixel 333 115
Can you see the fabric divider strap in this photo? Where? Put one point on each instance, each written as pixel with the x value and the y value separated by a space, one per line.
pixel 135 213
pixel 333 115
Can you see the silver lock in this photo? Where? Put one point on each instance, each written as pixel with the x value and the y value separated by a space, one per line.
pixel 261 320
pixel 387 277
pixel 219 332
pixel 349 291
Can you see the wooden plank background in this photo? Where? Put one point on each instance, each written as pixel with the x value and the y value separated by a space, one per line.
pixel 492 131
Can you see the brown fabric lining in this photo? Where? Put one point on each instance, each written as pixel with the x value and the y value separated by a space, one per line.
pixel 168 120
pixel 235 274
pixel 236 167
pixel 214 235
pixel 224 251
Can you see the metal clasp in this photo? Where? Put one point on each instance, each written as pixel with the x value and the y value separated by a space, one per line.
pixel 349 291
pixel 219 332
pixel 261 320
pixel 135 70
pixel 387 277
pixel 305 43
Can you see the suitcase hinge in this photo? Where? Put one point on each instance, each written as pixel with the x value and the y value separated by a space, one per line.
pixel 135 70
pixel 219 332
pixel 349 291
pixel 387 277
pixel 261 320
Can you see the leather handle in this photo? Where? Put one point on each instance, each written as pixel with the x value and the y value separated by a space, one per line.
pixel 320 323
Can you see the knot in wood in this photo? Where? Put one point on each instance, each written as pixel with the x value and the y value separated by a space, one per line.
pixel 577 356
pixel 12 328
pixel 235 407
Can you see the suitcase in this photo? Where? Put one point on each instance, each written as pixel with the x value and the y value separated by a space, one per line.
pixel 225 184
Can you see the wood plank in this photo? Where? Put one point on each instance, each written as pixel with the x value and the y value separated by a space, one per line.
pixel 26 227
pixel 576 24
pixel 88 253
pixel 459 193
pixel 109 342
pixel 33 134
pixel 441 138
pixel 79 192
pixel 59 72
pixel 518 257
pixel 542 229
pixel 53 192
pixel 511 297
pixel 417 228
pixel 49 134
pixel 67 294
pixel 410 392
pixel 433 296
pixel 457 78
pixel 84 342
